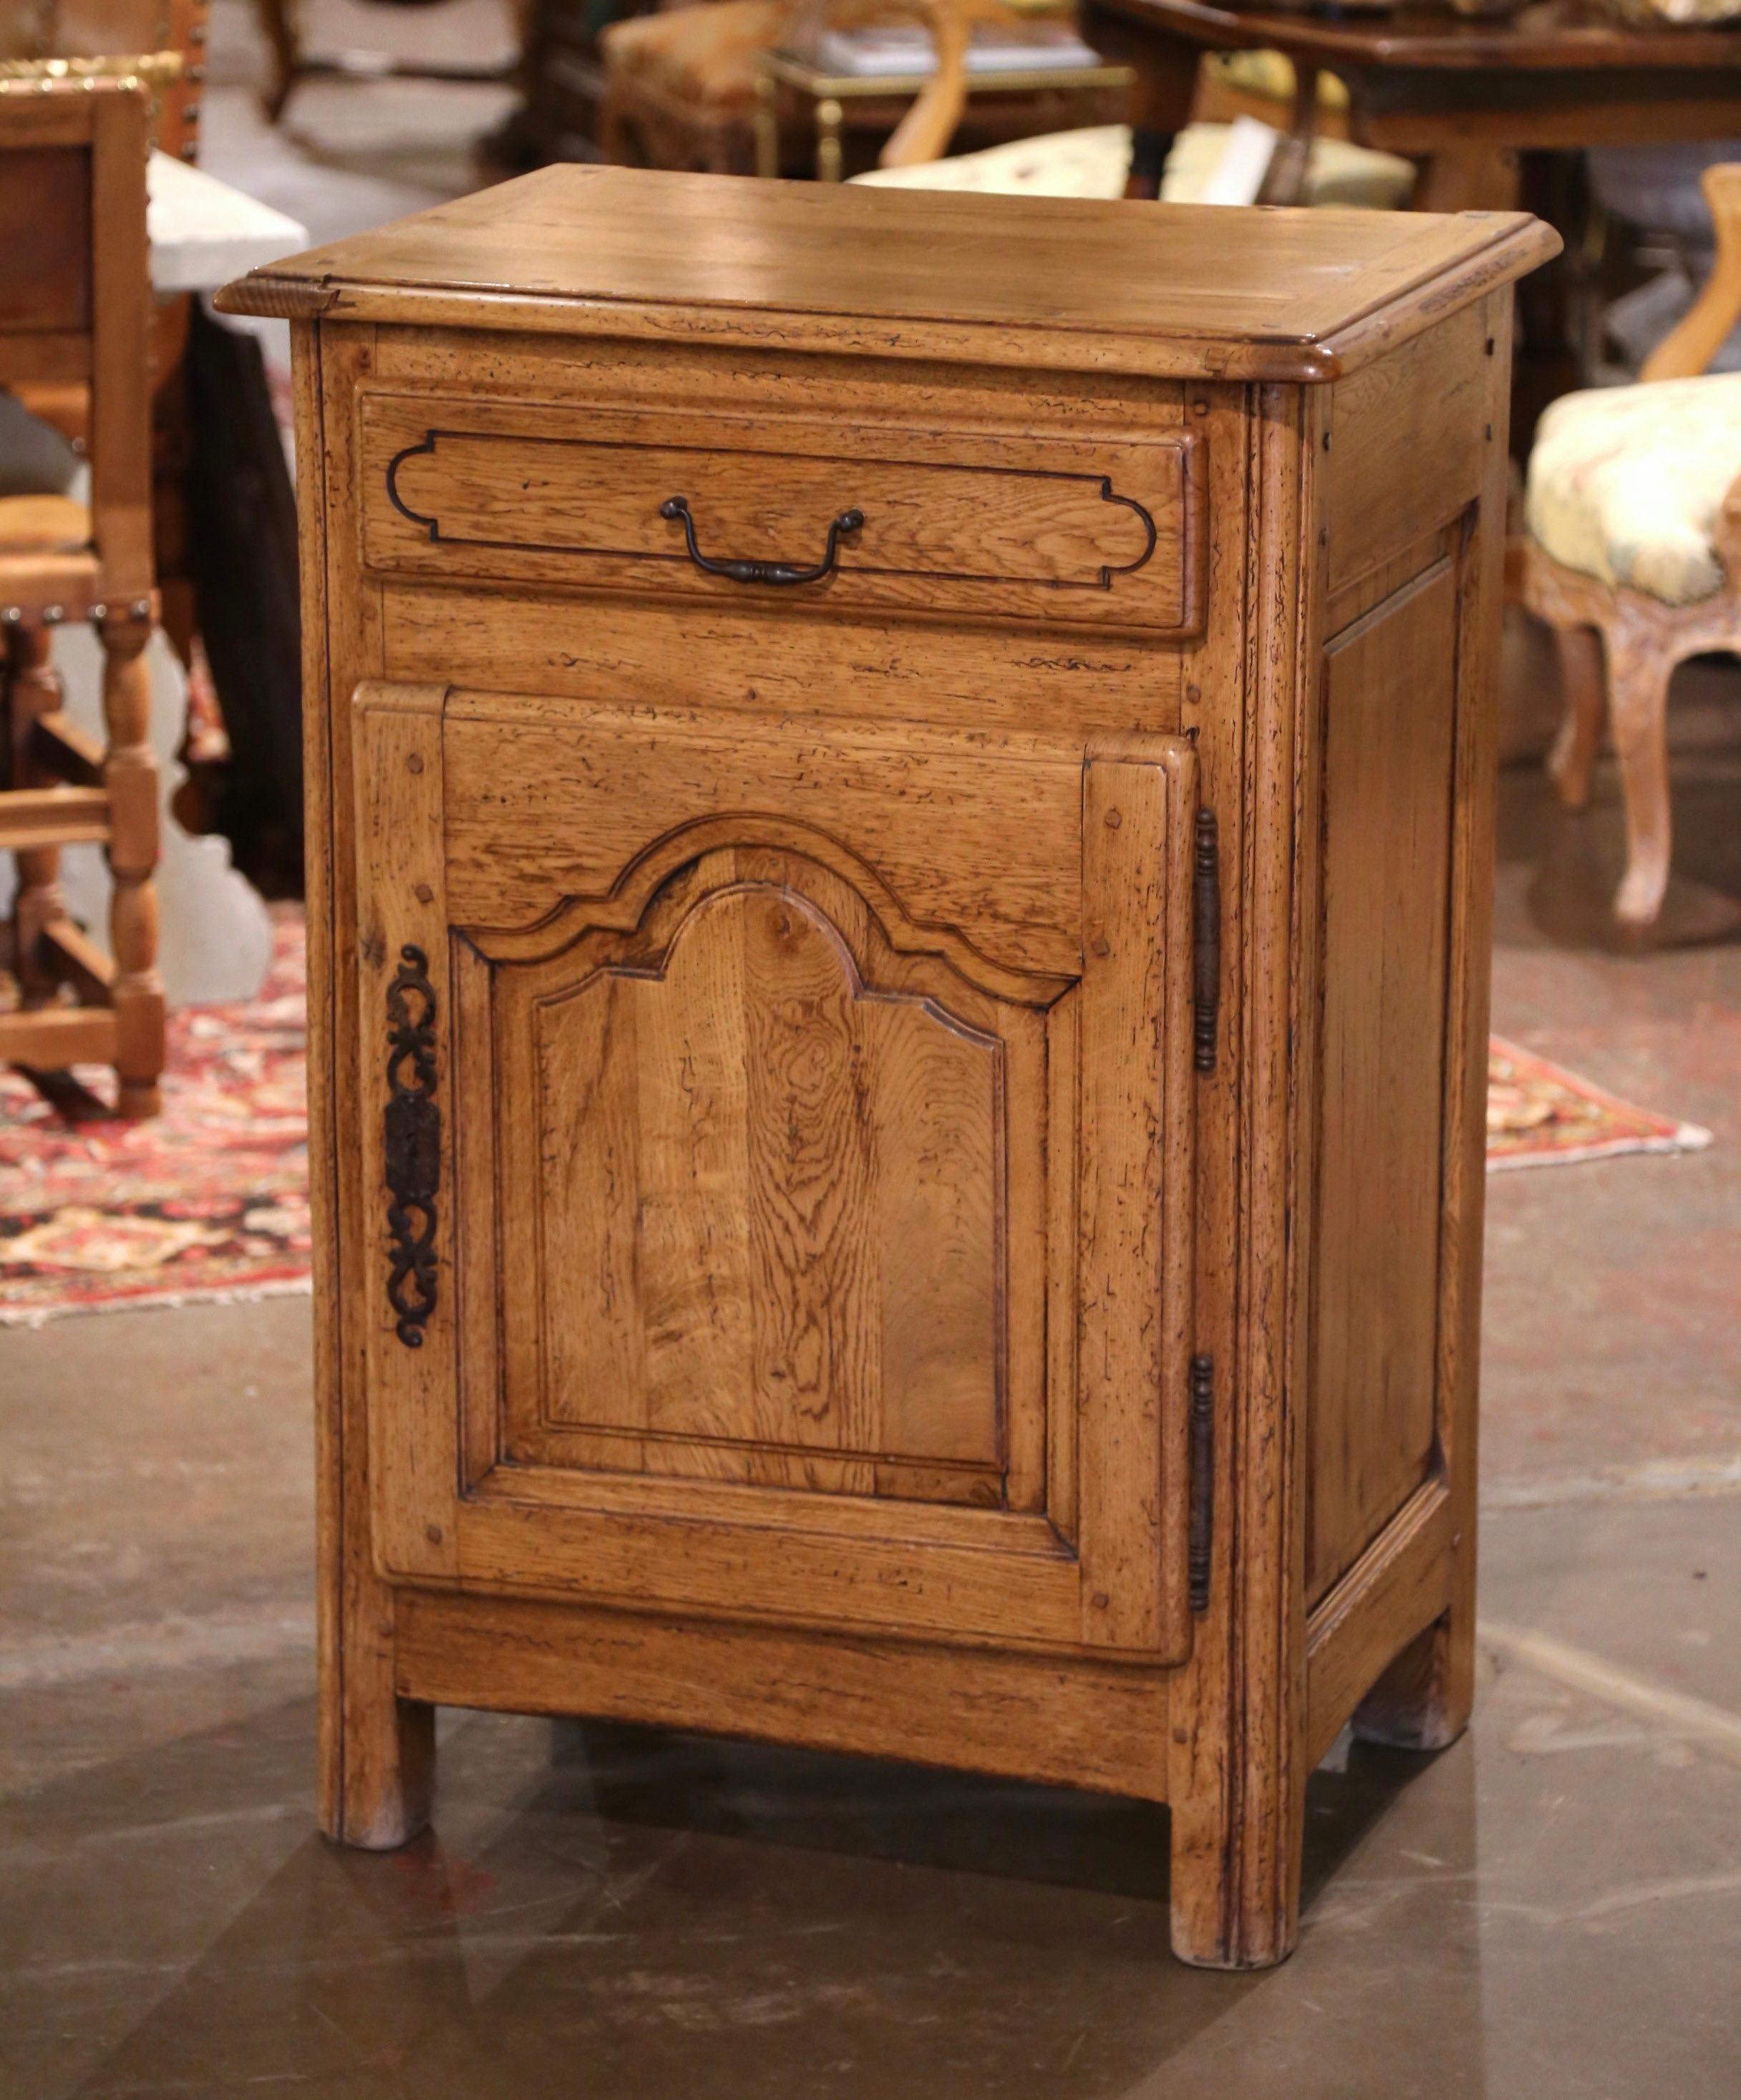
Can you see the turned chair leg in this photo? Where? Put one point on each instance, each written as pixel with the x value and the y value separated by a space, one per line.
pixel 1638 703
pixel 1573 757
pixel 33 689
pixel 130 778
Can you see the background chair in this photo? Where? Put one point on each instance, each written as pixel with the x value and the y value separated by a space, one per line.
pixel 1095 161
pixel 161 43
pixel 682 87
pixel 1633 553
pixel 75 309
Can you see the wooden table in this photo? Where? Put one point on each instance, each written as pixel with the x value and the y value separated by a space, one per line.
pixel 1465 97
pixel 1046 98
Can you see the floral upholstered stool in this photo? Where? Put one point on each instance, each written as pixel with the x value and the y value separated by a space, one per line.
pixel 1634 556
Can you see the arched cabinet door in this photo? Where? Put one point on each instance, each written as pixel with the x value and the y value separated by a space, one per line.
pixel 782 1166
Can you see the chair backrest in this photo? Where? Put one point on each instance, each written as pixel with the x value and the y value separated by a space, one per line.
pixel 161 42
pixel 1688 348
pixel 75 288
pixel 923 133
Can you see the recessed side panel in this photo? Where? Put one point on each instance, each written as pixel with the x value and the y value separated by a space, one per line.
pixel 1388 697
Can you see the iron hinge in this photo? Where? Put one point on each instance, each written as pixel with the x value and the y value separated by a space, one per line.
pixel 1206 897
pixel 1202 1479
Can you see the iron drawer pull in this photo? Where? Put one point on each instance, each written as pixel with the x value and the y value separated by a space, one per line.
pixel 761 572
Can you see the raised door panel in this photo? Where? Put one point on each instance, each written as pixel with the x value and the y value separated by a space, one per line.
pixel 804 1247
pixel 760 1173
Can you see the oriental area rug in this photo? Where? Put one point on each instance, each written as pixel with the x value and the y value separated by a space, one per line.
pixel 209 1200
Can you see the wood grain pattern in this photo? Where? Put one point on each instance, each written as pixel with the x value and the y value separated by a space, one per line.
pixel 836 1210
pixel 1096 1725
pixel 923 273
pixel 1424 1700
pixel 1386 489
pixel 771 1164
pixel 1135 1322
pixel 402 914
pixel 552 802
pixel 771 661
pixel 378 1751
pixel 44 234
pixel 771 1197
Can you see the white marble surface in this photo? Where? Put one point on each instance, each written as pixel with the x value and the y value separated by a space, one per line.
pixel 203 232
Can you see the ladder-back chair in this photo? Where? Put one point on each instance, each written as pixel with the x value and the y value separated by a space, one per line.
pixel 75 309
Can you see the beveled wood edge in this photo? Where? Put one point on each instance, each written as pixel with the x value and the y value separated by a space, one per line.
pixel 1525 245
pixel 1396 1589
pixel 1519 244
pixel 265 295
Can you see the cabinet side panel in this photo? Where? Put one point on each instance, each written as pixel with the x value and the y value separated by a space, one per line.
pixel 1412 436
pixel 1388 699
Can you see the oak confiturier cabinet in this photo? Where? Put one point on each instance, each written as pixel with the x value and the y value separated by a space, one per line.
pixel 901 798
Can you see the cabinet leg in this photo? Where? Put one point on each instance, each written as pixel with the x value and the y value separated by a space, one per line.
pixel 1236 1887
pixel 382 1765
pixel 1422 1702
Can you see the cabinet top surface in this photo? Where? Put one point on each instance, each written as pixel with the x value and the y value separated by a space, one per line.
pixel 1170 290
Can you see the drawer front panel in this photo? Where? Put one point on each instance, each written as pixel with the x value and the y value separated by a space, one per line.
pixel 781 1236
pixel 1102 530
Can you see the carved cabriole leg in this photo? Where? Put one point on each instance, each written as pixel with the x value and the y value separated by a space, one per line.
pixel 1582 680
pixel 1639 667
pixel 130 779
pixel 33 689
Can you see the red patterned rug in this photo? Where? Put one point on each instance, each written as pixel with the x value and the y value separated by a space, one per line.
pixel 210 1201
pixel 1538 1114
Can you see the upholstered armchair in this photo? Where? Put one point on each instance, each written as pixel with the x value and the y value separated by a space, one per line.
pixel 1633 553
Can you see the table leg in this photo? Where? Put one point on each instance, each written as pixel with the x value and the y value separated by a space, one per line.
pixel 767 126
pixel 279 22
pixel 1166 71
pixel 1467 179
pixel 1285 179
pixel 829 117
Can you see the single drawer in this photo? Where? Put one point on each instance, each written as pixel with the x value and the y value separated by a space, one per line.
pixel 1106 532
